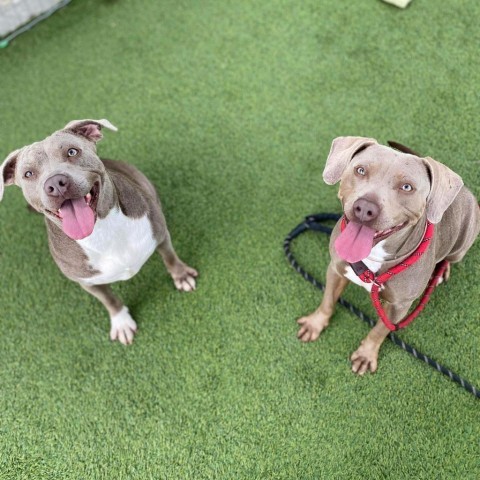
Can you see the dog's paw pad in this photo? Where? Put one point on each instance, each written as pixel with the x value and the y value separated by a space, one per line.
pixel 123 327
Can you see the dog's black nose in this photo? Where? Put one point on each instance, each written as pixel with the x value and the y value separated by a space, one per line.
pixel 57 185
pixel 365 211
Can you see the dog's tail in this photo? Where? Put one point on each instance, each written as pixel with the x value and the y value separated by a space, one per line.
pixel 402 148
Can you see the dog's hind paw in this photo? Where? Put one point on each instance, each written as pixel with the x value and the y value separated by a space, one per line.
pixel 123 327
pixel 445 276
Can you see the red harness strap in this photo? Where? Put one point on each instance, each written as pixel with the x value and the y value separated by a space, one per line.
pixel 367 276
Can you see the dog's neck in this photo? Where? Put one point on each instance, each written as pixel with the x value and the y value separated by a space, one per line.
pixel 108 197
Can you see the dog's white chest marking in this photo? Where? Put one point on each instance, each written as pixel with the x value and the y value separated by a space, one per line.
pixel 118 247
pixel 373 262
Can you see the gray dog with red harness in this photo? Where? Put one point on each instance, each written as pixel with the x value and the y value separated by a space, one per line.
pixel 103 217
pixel 403 216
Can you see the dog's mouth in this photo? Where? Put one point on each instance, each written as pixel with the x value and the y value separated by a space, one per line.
pixel 381 234
pixel 356 240
pixel 78 215
pixel 389 231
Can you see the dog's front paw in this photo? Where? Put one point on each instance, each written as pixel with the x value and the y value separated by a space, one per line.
pixel 365 358
pixel 312 326
pixel 184 279
pixel 123 327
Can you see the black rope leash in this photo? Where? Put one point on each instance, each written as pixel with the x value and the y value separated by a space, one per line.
pixel 314 223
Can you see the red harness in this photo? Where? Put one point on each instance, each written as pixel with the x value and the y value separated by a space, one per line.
pixel 367 276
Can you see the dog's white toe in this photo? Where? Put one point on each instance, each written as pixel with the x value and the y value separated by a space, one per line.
pixel 186 284
pixel 123 327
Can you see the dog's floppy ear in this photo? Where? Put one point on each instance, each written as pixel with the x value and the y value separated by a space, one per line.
pixel 7 171
pixel 90 129
pixel 444 187
pixel 342 151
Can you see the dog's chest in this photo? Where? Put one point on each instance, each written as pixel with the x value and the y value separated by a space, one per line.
pixel 118 247
pixel 374 262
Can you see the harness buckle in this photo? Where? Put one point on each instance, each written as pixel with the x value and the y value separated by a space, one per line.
pixel 363 272
pixel 359 268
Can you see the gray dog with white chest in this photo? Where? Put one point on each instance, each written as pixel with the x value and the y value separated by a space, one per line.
pixel 103 217
pixel 389 198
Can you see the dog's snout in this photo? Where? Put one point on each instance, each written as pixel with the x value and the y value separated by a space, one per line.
pixel 57 185
pixel 365 210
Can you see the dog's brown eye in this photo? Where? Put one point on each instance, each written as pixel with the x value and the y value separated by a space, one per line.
pixel 407 187
pixel 28 174
pixel 361 171
pixel 72 152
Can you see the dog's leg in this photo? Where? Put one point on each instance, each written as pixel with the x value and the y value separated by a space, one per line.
pixel 365 358
pixel 313 324
pixel 123 326
pixel 183 275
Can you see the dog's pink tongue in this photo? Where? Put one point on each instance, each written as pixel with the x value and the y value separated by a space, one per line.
pixel 355 242
pixel 78 218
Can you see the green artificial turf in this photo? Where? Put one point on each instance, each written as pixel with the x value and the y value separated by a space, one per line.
pixel 230 108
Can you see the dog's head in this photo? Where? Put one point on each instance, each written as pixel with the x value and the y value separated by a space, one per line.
pixel 61 176
pixel 383 190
